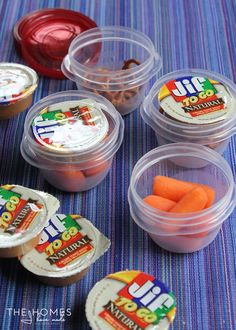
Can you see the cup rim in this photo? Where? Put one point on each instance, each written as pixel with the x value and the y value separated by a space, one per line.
pixel 95 32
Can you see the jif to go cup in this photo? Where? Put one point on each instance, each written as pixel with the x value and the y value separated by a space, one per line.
pixel 72 138
pixel 17 85
pixel 68 246
pixel 130 299
pixel 23 215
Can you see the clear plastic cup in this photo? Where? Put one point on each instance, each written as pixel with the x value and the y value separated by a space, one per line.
pixel 95 60
pixel 75 170
pixel 212 132
pixel 186 232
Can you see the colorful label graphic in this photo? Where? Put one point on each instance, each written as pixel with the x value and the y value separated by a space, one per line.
pixel 16 213
pixel 69 125
pixel 194 97
pixel 143 302
pixel 62 240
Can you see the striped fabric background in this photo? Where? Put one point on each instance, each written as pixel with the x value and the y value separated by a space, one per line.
pixel 187 33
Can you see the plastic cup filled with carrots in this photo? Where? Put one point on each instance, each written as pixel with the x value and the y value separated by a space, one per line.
pixel 182 207
pixel 72 137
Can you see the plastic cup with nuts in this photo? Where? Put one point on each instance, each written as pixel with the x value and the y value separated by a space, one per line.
pixel 115 62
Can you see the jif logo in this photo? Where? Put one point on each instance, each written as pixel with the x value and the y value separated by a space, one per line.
pixel 188 86
pixel 150 296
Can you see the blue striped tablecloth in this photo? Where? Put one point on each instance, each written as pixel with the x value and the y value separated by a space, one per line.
pixel 187 33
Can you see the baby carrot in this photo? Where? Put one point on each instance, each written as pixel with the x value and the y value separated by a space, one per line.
pixel 201 234
pixel 174 189
pixel 170 188
pixel 195 200
pixel 97 169
pixel 159 203
pixel 210 193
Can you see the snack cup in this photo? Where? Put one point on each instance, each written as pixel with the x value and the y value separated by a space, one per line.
pixel 68 246
pixel 17 85
pixel 72 137
pixel 130 300
pixel 185 232
pixel 192 105
pixel 115 62
pixel 23 215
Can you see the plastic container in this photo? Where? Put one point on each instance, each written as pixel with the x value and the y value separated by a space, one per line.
pixel 192 105
pixel 187 232
pixel 106 71
pixel 17 85
pixel 81 163
pixel 43 37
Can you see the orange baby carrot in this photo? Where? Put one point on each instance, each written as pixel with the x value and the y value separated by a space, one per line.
pixel 197 235
pixel 174 189
pixel 162 204
pixel 97 169
pixel 210 194
pixel 195 200
pixel 159 203
pixel 170 188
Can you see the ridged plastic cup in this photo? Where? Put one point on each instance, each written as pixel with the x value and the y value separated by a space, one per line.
pixel 187 232
pixel 214 135
pixel 95 60
pixel 73 171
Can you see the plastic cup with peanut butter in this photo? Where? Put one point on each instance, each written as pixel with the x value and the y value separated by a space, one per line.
pixel 72 138
pixel 17 85
pixel 192 105
pixel 130 300
pixel 68 246
pixel 23 215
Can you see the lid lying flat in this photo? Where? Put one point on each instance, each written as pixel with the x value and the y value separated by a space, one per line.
pixel 196 99
pixel 44 36
pixel 71 125
pixel 130 300
pixel 23 214
pixel 16 82
pixel 69 244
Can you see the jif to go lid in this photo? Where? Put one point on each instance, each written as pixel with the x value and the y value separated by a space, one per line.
pixel 130 300
pixel 70 126
pixel 196 98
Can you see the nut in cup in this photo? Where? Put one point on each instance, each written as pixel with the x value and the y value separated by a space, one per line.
pixel 115 62
pixel 72 138
pixel 192 105
pixel 185 232
pixel 17 85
